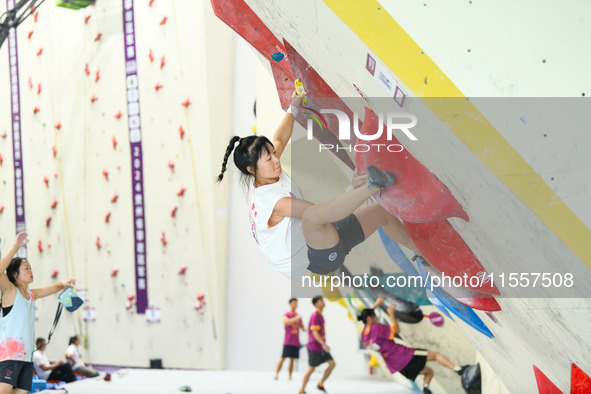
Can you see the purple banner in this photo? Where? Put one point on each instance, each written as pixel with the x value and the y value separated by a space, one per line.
pixel 19 188
pixel 135 141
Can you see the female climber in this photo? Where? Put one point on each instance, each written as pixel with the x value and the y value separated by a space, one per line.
pixel 408 361
pixel 17 319
pixel 295 234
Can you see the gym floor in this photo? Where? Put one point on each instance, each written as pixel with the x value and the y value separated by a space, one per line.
pixel 154 381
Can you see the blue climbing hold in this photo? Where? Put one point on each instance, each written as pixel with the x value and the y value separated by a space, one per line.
pixel 277 56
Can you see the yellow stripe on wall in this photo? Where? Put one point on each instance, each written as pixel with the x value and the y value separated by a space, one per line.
pixel 386 38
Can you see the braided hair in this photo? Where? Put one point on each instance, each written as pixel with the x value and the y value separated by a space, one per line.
pixel 246 154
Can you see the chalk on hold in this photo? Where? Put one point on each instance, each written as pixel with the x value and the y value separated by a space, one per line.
pixel 277 56
pixel 54 203
pixel 118 115
pixel 181 192
pixel 198 305
pixel 114 198
pixel 182 132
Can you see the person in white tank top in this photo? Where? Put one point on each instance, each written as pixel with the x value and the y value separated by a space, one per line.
pixel 17 319
pixel 296 235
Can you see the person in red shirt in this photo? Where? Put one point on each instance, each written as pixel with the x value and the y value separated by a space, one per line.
pixel 318 350
pixel 291 343
pixel 408 361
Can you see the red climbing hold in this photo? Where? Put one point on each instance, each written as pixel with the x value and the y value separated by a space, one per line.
pixel 36 109
pixel 40 247
pixel 1 208
pixel 98 243
pixel 46 180
pixel 30 34
pixel 55 272
pixel 173 212
pixel 182 132
pixel 186 103
pixel 36 16
pixel 86 18
pixel 58 125
pixel 163 21
pixel 30 83
pixel 114 140
pixel 48 221
pixel 93 99
pixel 163 239
pixel 98 36
pixel 181 192
pixel 150 3
pixel 86 69
pixel 162 62
pixel 39 89
pixel 150 56
pixel 54 151
pixel 201 297
pixel 171 165
pixel 1 159
pixel 97 76
pixel 114 198
pixel 54 204
pixel 158 86
pixel 114 271
pixel 106 174
pixel 40 51
pixel 107 217
pixel 580 382
pixel 118 115
pixel 183 270
pixel 545 385
pixel 4 134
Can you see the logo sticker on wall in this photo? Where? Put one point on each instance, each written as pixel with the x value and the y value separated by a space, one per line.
pixel 380 73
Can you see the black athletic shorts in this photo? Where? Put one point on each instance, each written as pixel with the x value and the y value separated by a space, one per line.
pixel 326 261
pixel 19 374
pixel 317 358
pixel 416 364
pixel 290 351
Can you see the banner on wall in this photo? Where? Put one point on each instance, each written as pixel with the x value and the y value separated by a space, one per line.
pixel 15 112
pixel 135 141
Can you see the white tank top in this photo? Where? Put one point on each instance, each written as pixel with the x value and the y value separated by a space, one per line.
pixel 17 330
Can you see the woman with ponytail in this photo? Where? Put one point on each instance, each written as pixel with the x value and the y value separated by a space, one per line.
pixel 296 235
pixel 408 361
